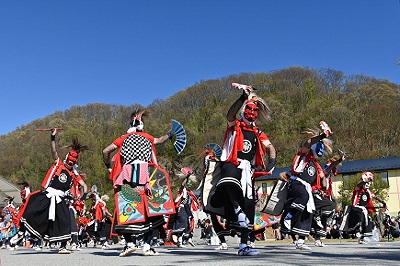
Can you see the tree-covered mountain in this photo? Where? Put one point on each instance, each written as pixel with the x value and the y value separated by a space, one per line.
pixel 362 111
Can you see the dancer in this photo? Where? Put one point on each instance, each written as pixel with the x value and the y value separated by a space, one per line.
pixel 185 203
pixel 97 227
pixel 243 150
pixel 306 171
pixel 325 206
pixel 75 202
pixel 46 215
pixel 209 152
pixel 357 219
pixel 130 176
pixel 16 241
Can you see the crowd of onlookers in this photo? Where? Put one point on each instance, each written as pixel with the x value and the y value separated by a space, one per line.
pixel 386 225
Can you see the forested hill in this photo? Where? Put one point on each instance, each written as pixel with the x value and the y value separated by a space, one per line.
pixel 362 111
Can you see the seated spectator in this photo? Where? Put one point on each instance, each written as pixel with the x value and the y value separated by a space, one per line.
pixel 206 231
pixel 394 227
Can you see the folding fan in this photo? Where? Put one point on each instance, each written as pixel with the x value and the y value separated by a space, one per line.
pixel 187 171
pixel 217 149
pixel 180 137
pixel 94 189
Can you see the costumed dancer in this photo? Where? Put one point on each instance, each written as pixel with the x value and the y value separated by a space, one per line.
pixel 17 240
pixel 306 172
pixel 357 220
pixel 210 152
pixel 75 202
pixel 130 174
pixel 185 203
pixel 46 214
pixel 80 209
pixel 243 151
pixel 325 206
pixel 97 228
pixel 83 220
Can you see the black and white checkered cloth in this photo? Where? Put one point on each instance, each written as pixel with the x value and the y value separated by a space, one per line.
pixel 136 147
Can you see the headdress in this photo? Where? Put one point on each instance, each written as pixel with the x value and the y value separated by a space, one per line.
pixel 75 148
pixel 367 177
pixel 105 197
pixel 136 124
pixel 9 199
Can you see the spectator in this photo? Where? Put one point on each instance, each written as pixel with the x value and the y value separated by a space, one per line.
pixel 206 231
pixel 394 227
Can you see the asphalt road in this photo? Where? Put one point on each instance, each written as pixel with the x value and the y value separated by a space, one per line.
pixel 271 253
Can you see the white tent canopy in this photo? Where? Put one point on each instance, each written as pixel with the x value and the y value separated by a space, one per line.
pixel 8 189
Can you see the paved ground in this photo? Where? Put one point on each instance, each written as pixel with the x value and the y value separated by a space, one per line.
pixel 271 253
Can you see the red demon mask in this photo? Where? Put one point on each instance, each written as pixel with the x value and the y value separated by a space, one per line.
pixel 250 111
pixel 72 157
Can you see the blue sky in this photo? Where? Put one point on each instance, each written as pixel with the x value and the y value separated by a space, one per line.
pixel 55 54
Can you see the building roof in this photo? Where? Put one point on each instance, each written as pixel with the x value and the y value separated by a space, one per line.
pixel 8 189
pixel 369 165
pixel 351 167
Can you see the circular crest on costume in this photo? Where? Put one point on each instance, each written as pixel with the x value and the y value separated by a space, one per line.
pixel 62 178
pixel 364 197
pixel 246 146
pixel 311 170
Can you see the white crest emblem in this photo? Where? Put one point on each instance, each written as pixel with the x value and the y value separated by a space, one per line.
pixel 311 171
pixel 246 146
pixel 63 178
pixel 364 197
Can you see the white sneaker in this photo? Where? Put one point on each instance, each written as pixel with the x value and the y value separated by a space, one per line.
pixel 75 247
pixel 362 241
pixel 64 251
pixel 127 251
pixel 14 240
pixel 150 252
pixel 223 246
pixel 252 245
pixel 302 246
pixel 247 251
pixel 319 243
pixel 37 248
pixel 14 248
pixel 180 245
pixel 105 246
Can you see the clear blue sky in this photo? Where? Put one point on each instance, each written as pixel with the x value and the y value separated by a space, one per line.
pixel 57 53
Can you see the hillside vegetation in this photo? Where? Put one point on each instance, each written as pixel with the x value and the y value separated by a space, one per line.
pixel 362 111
